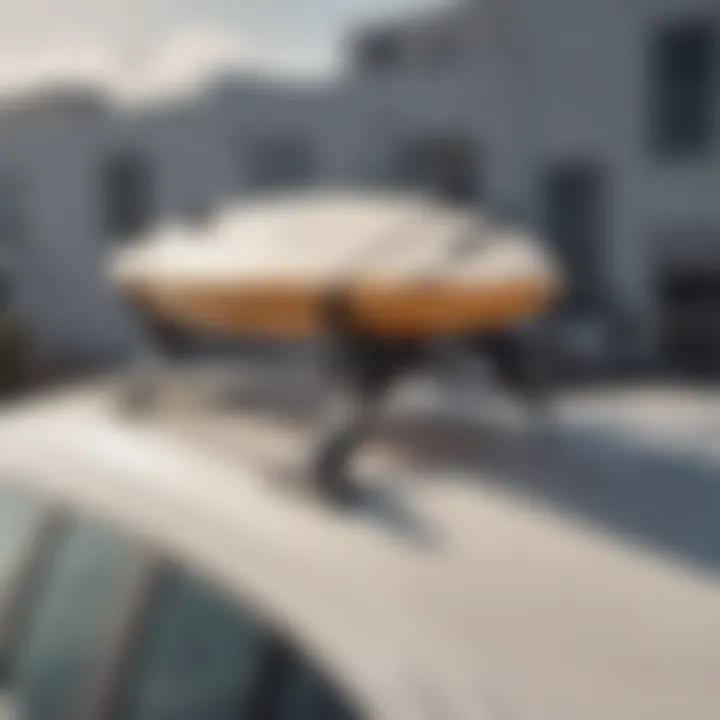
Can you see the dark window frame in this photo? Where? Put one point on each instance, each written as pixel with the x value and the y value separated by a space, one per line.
pixel 443 164
pixel 13 207
pixel 380 52
pixel 588 301
pixel 128 183
pixel 267 167
pixel 684 107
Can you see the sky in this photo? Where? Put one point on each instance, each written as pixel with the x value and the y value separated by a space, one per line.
pixel 140 39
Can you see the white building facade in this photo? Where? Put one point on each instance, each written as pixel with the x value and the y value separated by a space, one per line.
pixel 610 143
pixel 594 121
pixel 597 122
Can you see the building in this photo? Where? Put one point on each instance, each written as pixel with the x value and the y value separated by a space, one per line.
pixel 80 172
pixel 597 121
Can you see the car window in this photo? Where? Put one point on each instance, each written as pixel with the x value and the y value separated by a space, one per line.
pixel 19 517
pixel 67 624
pixel 200 657
pixel 307 695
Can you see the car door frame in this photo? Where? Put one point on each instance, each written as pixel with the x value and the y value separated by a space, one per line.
pixel 98 696
pixel 91 697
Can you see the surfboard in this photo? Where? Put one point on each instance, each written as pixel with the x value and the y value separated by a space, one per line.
pixel 403 266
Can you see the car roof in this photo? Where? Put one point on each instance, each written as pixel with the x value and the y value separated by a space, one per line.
pixel 488 608
pixel 301 564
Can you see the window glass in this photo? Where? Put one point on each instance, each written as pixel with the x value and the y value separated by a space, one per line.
pixel 67 625
pixel 308 696
pixel 685 68
pixel 280 163
pixel 575 222
pixel 201 657
pixel 379 52
pixel 12 215
pixel 445 166
pixel 128 185
pixel 19 516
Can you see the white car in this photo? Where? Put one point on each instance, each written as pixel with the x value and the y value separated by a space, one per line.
pixel 141 580
pixel 153 569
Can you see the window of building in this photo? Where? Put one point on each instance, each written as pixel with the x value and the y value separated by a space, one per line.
pixel 128 194
pixel 575 215
pixel 685 82
pixel 379 52
pixel 279 163
pixel 445 166
pixel 12 214
pixel 13 219
pixel 688 298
